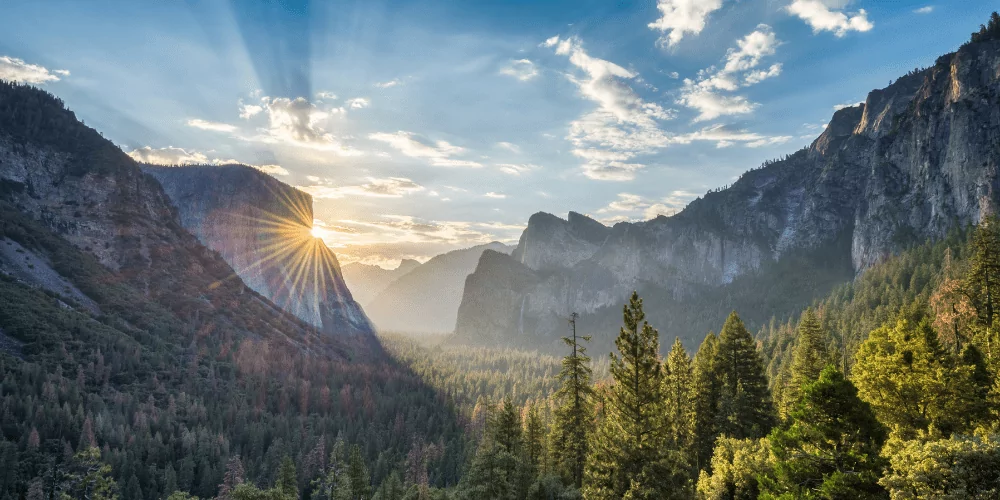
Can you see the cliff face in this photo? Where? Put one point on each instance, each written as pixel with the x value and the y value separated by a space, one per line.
pixel 426 299
pixel 78 188
pixel 914 160
pixel 261 227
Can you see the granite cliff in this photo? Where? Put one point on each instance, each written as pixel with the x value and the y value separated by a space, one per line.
pixel 261 227
pixel 367 280
pixel 916 159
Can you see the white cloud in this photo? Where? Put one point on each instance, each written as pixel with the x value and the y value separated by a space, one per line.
pixel 516 169
pixel 388 84
pixel 522 69
pixel 712 105
pixel 838 107
pixel 178 156
pixel 248 111
pixel 927 9
pixel 299 122
pixel 213 126
pixel 438 153
pixel 326 95
pixel 631 207
pixel 358 103
pixel 168 156
pixel 16 70
pixel 509 146
pixel 622 127
pixel 755 77
pixel 724 136
pixel 390 187
pixel 498 196
pixel 678 17
pixel 824 15
pixel 738 71
pixel 271 169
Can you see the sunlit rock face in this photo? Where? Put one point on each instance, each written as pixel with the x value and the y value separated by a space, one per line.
pixel 916 159
pixel 262 228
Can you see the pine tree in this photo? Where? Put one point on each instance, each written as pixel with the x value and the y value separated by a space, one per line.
pixel 574 414
pixel 983 282
pixel 679 400
pixel 808 359
pixel 831 449
pixel 706 401
pixel 391 489
pixel 357 475
pixel 288 482
pixel 506 427
pixel 534 436
pixel 234 476
pixel 88 477
pixel 629 457
pixel 745 406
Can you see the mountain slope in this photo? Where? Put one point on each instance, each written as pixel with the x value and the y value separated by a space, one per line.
pixel 119 330
pixel 917 158
pixel 261 227
pixel 366 281
pixel 426 299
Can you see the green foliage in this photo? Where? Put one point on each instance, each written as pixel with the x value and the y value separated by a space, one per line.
pixel 808 359
pixel 707 389
pixel 679 402
pixel 745 408
pixel 574 413
pixel 989 31
pixel 629 457
pixel 87 477
pixel 960 467
pixel 911 382
pixel 831 449
pixel 736 464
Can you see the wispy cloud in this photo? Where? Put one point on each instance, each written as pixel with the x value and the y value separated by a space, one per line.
pixel 439 153
pixel 522 69
pixel 358 103
pixel 389 187
pixel 494 195
pixel 514 148
pixel 391 83
pixel 678 17
pixel 826 15
pixel 171 156
pixel 622 127
pixel 634 207
pixel 516 169
pixel 927 9
pixel 212 126
pixel 16 70
pixel 704 94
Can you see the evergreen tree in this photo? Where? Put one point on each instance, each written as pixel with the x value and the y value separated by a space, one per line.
pixel 679 401
pixel 630 458
pixel 736 465
pixel 912 383
pixel 234 476
pixel 706 401
pixel 288 482
pixel 808 359
pixel 534 436
pixel 88 477
pixel 831 449
pixel 391 489
pixel 574 413
pixel 357 476
pixel 983 282
pixel 745 406
pixel 506 427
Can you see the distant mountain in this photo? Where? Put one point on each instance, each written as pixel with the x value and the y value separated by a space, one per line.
pixel 366 280
pixel 426 299
pixel 261 227
pixel 918 158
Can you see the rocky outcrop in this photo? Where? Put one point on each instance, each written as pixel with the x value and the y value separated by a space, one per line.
pixel 426 299
pixel 262 228
pixel 916 159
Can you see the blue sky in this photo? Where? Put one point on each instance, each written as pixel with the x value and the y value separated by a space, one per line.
pixel 424 126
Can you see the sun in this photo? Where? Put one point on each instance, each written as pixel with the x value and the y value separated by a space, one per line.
pixel 317 232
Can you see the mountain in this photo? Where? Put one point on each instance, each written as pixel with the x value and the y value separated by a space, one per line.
pixel 366 280
pixel 261 227
pixel 915 159
pixel 121 331
pixel 426 299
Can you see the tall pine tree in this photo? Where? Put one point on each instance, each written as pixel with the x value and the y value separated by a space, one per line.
pixel 706 401
pixel 574 413
pixel 679 401
pixel 745 406
pixel 808 359
pixel 630 458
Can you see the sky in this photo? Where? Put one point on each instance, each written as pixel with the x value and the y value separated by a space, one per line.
pixel 430 125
